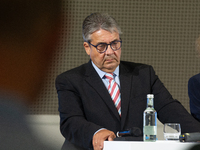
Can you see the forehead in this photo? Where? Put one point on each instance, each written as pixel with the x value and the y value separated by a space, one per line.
pixel 104 36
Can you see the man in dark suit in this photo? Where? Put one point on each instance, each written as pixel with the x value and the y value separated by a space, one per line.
pixel 88 114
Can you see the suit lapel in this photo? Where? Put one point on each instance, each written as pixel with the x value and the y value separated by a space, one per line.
pixel 95 81
pixel 127 79
pixel 125 84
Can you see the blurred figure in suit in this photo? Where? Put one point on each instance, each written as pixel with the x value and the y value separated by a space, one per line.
pixel 194 90
pixel 194 93
pixel 28 36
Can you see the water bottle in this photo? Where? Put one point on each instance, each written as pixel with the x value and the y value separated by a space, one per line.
pixel 150 121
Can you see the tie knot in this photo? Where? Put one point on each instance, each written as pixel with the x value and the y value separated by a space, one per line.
pixel 109 76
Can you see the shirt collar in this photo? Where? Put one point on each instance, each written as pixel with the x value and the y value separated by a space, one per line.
pixel 102 73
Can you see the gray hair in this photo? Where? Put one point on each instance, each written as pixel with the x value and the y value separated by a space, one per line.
pixel 97 21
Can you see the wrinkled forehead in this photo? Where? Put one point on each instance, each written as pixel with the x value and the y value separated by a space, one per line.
pixel 104 36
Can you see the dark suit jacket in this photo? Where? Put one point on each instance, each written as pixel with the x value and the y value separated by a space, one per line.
pixel 194 95
pixel 85 105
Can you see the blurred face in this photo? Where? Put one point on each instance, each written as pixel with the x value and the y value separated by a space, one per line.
pixel 109 60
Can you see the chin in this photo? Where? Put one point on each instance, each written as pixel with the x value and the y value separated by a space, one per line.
pixel 111 69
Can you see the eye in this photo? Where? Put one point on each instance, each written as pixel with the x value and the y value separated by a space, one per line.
pixel 101 46
pixel 114 42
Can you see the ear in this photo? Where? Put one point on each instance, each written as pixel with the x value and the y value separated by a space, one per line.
pixel 87 48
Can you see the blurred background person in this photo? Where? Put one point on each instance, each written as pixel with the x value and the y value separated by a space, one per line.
pixel 194 90
pixel 28 36
pixel 194 93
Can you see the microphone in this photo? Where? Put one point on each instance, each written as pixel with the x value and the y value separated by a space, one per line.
pixel 134 131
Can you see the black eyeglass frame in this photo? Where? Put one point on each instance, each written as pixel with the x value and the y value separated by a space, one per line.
pixel 107 46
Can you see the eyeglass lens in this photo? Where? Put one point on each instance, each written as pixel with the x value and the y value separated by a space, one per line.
pixel 114 45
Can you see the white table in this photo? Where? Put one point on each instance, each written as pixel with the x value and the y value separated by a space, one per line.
pixel 158 145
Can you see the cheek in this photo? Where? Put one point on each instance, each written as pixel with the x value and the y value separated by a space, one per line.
pixel 99 58
pixel 95 56
pixel 118 53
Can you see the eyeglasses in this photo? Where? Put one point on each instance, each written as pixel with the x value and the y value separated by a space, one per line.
pixel 102 47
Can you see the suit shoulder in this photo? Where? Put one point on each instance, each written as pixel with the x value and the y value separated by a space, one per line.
pixel 194 79
pixel 131 66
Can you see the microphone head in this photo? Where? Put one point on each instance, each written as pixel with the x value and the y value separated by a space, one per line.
pixel 135 131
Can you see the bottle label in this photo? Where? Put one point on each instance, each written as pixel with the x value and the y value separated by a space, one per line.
pixel 150 130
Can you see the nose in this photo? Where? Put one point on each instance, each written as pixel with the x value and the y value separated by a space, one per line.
pixel 109 50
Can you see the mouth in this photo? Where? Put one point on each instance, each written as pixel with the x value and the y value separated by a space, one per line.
pixel 109 60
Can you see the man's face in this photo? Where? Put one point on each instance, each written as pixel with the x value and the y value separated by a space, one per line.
pixel 109 60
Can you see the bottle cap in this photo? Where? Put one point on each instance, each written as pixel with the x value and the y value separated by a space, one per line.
pixel 150 96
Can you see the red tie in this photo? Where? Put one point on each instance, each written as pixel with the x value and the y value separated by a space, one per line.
pixel 114 92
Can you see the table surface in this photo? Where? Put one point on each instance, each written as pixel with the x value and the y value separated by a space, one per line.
pixel 158 145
